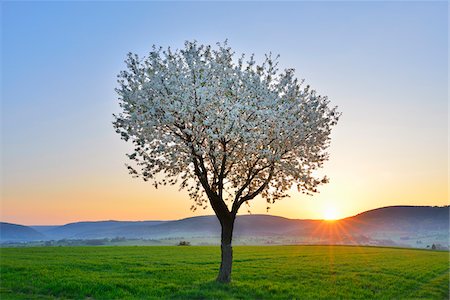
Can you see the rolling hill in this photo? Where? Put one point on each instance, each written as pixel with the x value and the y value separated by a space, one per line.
pixel 412 226
pixel 99 229
pixel 14 232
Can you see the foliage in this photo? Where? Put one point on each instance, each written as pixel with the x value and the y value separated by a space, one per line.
pixel 225 129
pixel 272 272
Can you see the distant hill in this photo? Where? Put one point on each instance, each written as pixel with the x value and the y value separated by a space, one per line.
pixel 413 226
pixel 410 213
pixel 403 218
pixel 261 225
pixel 95 229
pixel 14 232
pixel 43 228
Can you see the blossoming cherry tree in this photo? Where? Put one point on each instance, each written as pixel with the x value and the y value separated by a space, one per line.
pixel 224 128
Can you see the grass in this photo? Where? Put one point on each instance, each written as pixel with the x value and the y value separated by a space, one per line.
pixel 272 272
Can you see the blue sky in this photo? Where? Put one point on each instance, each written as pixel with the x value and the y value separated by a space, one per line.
pixel 383 63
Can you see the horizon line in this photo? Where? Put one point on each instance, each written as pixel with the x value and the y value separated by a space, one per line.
pixel 212 215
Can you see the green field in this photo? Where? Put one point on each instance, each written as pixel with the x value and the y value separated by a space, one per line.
pixel 301 272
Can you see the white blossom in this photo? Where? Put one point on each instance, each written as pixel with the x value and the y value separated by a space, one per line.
pixel 224 129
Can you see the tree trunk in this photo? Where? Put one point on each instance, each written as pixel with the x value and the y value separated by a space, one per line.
pixel 227 251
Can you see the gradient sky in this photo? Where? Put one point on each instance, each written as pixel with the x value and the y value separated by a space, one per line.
pixel 384 64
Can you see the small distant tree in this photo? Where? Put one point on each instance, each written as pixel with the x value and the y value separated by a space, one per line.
pixel 225 129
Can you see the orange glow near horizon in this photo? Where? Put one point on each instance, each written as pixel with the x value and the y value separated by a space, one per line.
pixel 56 199
pixel 330 213
pixel 120 197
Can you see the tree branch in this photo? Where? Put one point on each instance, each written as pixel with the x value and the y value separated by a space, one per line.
pixel 238 200
pixel 260 189
pixel 222 169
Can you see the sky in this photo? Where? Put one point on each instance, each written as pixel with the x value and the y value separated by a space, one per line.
pixel 384 64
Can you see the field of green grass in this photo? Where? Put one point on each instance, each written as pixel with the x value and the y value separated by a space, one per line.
pixel 280 272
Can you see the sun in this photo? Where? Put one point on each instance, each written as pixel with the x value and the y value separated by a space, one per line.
pixel 330 213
